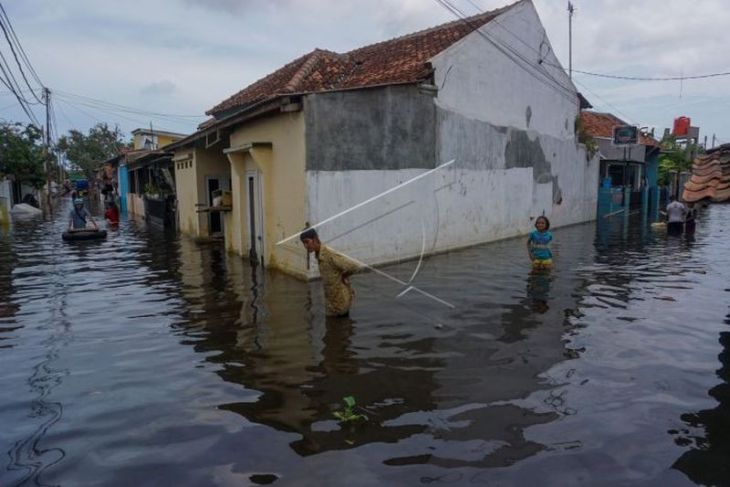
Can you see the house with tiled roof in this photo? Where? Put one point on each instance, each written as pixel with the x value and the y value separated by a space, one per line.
pixel 634 166
pixel 451 136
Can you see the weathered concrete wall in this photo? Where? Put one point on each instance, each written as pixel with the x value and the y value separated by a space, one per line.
pixel 632 152
pixel 380 128
pixel 528 116
pixel 511 136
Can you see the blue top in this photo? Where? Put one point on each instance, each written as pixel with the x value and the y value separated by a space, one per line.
pixel 540 245
pixel 79 217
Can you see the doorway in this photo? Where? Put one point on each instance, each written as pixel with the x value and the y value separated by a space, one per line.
pixel 215 219
pixel 255 218
pixel 215 223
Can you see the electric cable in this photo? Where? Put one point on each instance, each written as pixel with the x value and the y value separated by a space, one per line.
pixel 525 64
pixel 17 61
pixel 20 46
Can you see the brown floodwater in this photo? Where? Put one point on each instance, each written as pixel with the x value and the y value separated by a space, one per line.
pixel 150 359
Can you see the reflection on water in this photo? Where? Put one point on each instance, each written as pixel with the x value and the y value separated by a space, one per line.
pixel 706 462
pixel 149 359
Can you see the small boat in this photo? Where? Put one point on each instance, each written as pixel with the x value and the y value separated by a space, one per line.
pixel 84 235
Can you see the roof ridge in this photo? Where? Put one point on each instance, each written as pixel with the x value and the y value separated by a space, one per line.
pixel 367 65
pixel 487 15
pixel 306 68
pixel 259 81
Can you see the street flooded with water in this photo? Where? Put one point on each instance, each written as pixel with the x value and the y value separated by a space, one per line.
pixel 150 359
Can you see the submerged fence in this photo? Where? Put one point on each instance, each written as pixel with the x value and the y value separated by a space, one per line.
pixel 622 201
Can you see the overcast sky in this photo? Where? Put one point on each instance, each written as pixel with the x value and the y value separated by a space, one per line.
pixel 181 57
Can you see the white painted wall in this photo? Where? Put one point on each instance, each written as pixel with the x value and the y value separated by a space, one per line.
pixel 478 81
pixel 482 106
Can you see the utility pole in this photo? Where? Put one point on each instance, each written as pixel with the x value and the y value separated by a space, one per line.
pixel 713 141
pixel 571 9
pixel 47 158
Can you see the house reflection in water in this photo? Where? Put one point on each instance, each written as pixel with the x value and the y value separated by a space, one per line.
pixel 433 389
pixel 708 461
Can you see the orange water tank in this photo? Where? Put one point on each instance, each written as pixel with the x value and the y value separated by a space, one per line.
pixel 681 126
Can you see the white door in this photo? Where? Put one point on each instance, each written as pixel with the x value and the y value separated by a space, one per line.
pixel 255 217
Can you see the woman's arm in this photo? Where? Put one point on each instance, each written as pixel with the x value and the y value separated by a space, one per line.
pixel 93 222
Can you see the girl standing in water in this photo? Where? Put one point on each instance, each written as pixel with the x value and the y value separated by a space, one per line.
pixel 538 244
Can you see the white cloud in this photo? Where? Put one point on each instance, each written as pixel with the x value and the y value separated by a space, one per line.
pixel 163 87
pixel 209 49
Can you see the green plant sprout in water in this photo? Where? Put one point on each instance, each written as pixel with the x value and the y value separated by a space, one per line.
pixel 348 414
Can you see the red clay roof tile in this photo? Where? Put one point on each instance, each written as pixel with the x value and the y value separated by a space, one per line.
pixel 400 60
pixel 710 176
pixel 601 125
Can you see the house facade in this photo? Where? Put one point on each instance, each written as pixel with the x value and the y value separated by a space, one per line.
pixel 143 168
pixel 635 165
pixel 630 170
pixel 201 169
pixel 453 136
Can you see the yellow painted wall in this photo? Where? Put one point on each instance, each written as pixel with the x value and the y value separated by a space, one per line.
pixel 209 163
pixel 186 191
pixel 135 204
pixel 191 185
pixel 282 169
pixel 162 140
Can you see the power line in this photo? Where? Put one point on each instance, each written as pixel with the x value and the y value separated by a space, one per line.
pixel 142 119
pixel 608 104
pixel 20 46
pixel 646 78
pixel 537 72
pixel 8 78
pixel 7 81
pixel 124 108
pixel 15 56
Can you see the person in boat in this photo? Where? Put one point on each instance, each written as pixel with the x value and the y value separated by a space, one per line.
pixel 676 212
pixel 78 217
pixel 538 244
pixel 335 270
pixel 112 213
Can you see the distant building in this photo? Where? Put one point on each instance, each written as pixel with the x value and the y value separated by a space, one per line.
pixel 145 169
pixel 329 131
pixel 151 139
pixel 634 166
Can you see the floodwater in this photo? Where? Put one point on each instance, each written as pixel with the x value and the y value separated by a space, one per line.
pixel 149 359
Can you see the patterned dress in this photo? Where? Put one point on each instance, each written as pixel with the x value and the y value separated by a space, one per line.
pixel 540 248
pixel 333 268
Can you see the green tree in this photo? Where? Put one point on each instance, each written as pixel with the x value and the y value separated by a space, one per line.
pixel 22 153
pixel 676 157
pixel 87 151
